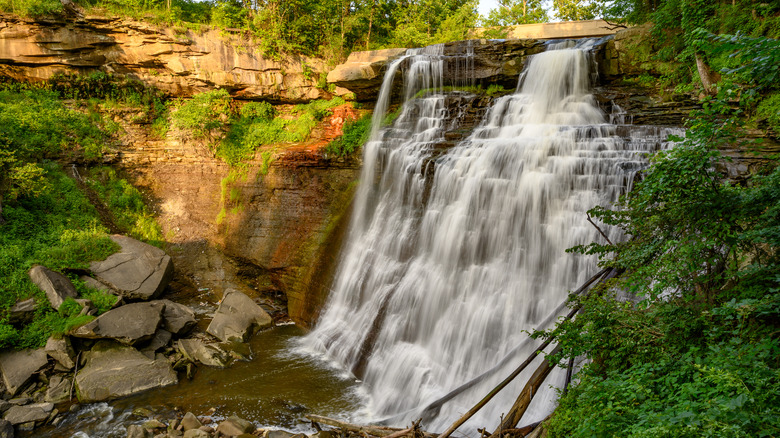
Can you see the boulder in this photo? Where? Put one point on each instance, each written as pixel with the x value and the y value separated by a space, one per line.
pixel 196 433
pixel 197 351
pixel 235 426
pixel 59 389
pixel 18 366
pixel 129 324
pixel 56 286
pixel 137 431
pixel 238 317
pixel 61 351
pixel 28 413
pixel 139 271
pixel 178 318
pixel 22 312
pixel 190 421
pixel 113 370
pixel 362 73
pixel 160 340
pixel 95 284
pixel 6 429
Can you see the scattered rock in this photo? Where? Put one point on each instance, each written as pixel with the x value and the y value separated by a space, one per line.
pixel 238 317
pixel 129 324
pixel 160 340
pixel 196 433
pixel 139 271
pixel 59 389
pixel 178 318
pixel 234 426
pixel 96 284
pixel 4 406
pixel 18 366
pixel 61 351
pixel 113 370
pixel 22 312
pixel 197 351
pixel 190 421
pixel 29 413
pixel 6 429
pixel 154 424
pixel 56 286
pixel 137 431
pixel 279 434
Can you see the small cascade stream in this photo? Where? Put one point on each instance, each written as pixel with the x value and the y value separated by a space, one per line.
pixel 453 255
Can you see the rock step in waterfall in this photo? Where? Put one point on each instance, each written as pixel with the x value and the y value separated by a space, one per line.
pixel 456 251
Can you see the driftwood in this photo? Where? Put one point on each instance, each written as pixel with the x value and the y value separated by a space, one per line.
pixel 377 431
pixel 530 389
pixel 602 275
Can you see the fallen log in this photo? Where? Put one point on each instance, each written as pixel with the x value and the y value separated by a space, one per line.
pixel 377 431
pixel 603 275
pixel 530 389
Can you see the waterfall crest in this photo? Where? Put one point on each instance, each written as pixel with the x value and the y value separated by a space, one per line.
pixel 454 255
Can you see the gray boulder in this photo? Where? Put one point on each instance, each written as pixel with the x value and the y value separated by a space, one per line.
pixel 28 413
pixel 113 370
pixel 59 389
pixel 139 271
pixel 6 429
pixel 61 351
pixel 207 354
pixel 196 433
pixel 160 340
pixel 190 421
pixel 238 317
pixel 178 318
pixel 22 312
pixel 56 286
pixel 137 431
pixel 129 324
pixel 235 426
pixel 18 366
pixel 95 284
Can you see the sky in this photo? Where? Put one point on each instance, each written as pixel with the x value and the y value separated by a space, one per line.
pixel 485 6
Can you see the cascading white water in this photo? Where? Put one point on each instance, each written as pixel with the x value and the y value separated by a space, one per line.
pixel 441 278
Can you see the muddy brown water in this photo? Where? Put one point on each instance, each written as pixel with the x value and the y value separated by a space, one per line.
pixel 276 389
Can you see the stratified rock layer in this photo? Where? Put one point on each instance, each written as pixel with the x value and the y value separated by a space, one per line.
pixel 180 62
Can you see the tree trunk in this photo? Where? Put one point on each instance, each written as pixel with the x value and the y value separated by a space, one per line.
pixel 708 79
pixel 525 6
pixel 370 22
pixel 526 395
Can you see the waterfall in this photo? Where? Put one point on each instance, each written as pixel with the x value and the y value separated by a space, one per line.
pixel 453 255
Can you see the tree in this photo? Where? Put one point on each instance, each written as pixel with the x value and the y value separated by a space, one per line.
pixel 571 10
pixel 512 12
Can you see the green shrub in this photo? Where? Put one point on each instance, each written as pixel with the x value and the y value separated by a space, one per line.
pixel 258 111
pixel 769 108
pixel 355 135
pixel 203 113
pixel 31 8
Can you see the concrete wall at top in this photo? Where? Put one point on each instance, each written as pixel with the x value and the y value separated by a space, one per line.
pixel 565 29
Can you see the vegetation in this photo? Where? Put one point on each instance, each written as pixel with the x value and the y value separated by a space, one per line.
pixel 126 204
pixel 355 135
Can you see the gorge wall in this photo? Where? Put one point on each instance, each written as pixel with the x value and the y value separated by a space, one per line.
pixel 276 229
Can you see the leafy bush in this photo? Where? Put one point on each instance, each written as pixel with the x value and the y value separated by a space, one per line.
pixel 769 109
pixel 203 113
pixel 355 135
pixel 31 8
pixel 258 111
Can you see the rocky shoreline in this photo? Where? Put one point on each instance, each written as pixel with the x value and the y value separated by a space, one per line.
pixel 143 342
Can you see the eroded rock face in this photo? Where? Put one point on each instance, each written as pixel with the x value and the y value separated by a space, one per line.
pixel 139 271
pixel 487 61
pixel 113 371
pixel 179 63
